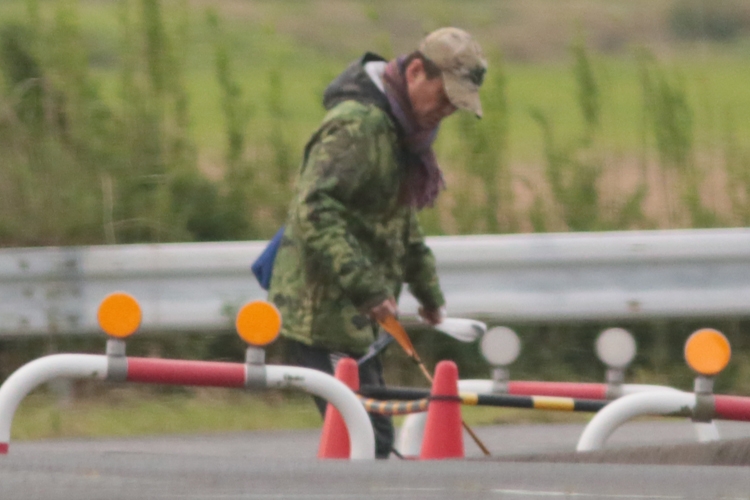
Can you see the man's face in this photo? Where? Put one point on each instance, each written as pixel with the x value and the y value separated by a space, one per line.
pixel 428 98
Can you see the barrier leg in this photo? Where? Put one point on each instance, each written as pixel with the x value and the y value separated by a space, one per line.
pixel 409 442
pixel 37 372
pixel 321 384
pixel 609 418
pixel 706 431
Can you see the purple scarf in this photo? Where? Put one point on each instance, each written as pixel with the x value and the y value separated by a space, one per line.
pixel 424 179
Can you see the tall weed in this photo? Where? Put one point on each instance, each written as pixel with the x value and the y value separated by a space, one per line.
pixel 485 156
pixel 737 160
pixel 670 118
pixel 574 170
pixel 81 169
pixel 238 194
pixel 283 154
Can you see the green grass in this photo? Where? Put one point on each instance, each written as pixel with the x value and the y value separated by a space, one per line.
pixel 308 42
pixel 127 412
pixel 714 88
pixel 715 83
pixel 133 412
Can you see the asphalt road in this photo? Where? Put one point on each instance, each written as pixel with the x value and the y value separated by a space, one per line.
pixel 280 465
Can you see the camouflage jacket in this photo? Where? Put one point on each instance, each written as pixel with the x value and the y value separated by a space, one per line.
pixel 349 244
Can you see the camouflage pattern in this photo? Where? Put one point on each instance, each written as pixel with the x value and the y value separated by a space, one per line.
pixel 349 244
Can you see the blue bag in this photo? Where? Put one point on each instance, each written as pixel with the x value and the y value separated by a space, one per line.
pixel 263 266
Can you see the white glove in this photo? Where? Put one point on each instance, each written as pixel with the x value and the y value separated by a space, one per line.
pixel 462 329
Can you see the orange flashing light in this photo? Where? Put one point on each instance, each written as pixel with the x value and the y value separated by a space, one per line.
pixel 119 315
pixel 258 323
pixel 707 351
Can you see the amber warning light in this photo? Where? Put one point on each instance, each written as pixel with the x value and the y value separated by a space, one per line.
pixel 119 315
pixel 707 351
pixel 258 323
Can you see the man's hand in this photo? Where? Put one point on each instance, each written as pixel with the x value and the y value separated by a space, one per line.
pixel 432 316
pixel 386 308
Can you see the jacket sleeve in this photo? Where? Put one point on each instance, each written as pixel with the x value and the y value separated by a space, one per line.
pixel 339 162
pixel 421 273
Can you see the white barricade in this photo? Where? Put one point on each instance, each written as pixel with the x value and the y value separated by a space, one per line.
pixel 620 411
pixel 81 366
pixel 409 440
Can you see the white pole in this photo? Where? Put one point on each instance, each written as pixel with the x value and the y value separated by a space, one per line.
pixel 627 407
pixel 485 386
pixel 479 386
pixel 37 372
pixel 409 441
pixel 361 435
pixel 636 388
pixel 705 432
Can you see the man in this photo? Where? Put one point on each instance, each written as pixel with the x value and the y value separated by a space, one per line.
pixel 352 237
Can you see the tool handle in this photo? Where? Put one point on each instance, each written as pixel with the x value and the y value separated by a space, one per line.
pixel 424 371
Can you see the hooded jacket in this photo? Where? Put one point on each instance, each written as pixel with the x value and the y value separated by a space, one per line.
pixel 350 242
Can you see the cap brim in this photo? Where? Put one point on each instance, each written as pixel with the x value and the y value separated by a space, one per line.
pixel 462 93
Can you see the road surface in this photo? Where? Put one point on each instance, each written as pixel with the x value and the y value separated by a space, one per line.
pixel 281 465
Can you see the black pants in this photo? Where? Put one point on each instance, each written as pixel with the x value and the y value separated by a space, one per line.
pixel 370 373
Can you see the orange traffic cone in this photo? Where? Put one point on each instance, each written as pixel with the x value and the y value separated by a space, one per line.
pixel 334 440
pixel 443 434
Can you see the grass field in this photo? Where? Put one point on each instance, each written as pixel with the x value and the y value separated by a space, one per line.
pixel 308 42
pixel 140 413
pixel 132 412
pixel 283 53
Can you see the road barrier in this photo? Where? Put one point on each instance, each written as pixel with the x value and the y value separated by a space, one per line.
pixel 615 347
pixel 257 323
pixel 707 352
pixel 376 400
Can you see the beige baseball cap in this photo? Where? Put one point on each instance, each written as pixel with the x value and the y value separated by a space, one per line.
pixel 462 63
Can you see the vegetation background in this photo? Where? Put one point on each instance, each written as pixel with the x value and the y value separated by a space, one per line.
pixel 125 121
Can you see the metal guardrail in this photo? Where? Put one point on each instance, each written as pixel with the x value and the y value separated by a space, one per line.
pixel 529 277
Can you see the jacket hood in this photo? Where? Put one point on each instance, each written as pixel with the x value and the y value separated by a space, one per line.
pixel 355 84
